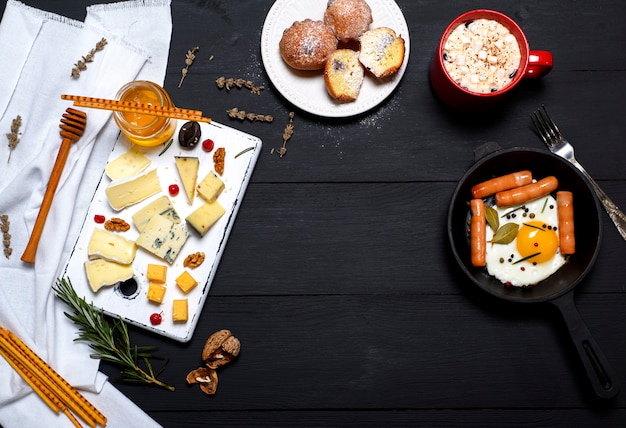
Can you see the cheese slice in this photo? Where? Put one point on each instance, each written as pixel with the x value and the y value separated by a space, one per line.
pixel 129 191
pixel 203 218
pixel 101 272
pixel 130 163
pixel 163 238
pixel 210 187
pixel 160 206
pixel 188 170
pixel 110 246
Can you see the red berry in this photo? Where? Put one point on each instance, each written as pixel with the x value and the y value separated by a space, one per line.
pixel 99 218
pixel 156 319
pixel 207 145
pixel 174 189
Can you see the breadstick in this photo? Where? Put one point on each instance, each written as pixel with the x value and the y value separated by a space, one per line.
pixel 51 379
pixel 565 210
pixel 43 392
pixel 504 182
pixel 526 193
pixel 478 233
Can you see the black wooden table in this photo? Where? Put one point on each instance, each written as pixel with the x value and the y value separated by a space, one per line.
pixel 338 277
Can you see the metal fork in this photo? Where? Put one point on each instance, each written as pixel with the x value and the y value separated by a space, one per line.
pixel 552 137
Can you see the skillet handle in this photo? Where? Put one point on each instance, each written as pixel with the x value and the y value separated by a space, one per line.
pixel 596 365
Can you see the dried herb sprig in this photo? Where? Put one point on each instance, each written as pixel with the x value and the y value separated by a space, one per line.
pixel 6 236
pixel 235 113
pixel 81 65
pixel 109 342
pixel 228 84
pixel 287 133
pixel 189 59
pixel 14 135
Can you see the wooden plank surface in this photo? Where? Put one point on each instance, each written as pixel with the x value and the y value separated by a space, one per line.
pixel 338 278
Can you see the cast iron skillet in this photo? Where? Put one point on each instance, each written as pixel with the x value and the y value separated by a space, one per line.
pixel 558 289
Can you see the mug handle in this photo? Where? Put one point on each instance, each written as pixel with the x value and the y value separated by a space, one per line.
pixel 539 64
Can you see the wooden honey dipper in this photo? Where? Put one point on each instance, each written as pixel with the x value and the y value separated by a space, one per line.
pixel 72 127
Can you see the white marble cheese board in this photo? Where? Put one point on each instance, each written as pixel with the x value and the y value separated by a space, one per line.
pixel 132 305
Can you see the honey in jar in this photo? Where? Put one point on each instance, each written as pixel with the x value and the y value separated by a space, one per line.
pixel 141 128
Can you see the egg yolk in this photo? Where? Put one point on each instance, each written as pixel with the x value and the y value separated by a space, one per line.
pixel 537 240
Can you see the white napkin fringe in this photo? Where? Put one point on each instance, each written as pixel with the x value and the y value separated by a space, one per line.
pixel 44 14
pixel 128 5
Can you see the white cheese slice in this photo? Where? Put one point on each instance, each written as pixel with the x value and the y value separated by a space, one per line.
pixel 126 192
pixel 205 217
pixel 188 170
pixel 126 165
pixel 163 238
pixel 160 206
pixel 113 247
pixel 210 187
pixel 101 272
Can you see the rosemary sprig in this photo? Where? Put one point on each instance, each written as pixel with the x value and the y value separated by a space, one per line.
pixel 523 259
pixel 109 342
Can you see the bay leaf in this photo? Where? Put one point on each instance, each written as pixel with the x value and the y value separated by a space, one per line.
pixel 492 218
pixel 506 234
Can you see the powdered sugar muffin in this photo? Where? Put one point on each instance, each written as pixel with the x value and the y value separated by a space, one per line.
pixel 343 75
pixel 348 18
pixel 306 45
pixel 382 51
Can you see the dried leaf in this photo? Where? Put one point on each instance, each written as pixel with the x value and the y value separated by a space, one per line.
pixel 492 218
pixel 506 234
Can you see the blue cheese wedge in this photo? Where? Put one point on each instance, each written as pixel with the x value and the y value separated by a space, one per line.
pixel 102 273
pixel 126 165
pixel 160 206
pixel 110 246
pixel 163 238
pixel 203 218
pixel 210 187
pixel 129 191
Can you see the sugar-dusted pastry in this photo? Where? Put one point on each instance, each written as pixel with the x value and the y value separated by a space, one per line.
pixel 306 45
pixel 349 19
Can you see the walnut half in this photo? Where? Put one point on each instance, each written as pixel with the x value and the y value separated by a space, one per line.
pixel 207 378
pixel 194 260
pixel 116 224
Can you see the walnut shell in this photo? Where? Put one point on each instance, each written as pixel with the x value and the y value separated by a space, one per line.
pixel 220 348
pixel 207 378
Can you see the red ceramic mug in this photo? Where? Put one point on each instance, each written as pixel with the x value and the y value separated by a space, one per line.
pixel 532 64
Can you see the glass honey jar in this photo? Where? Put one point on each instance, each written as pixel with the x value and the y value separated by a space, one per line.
pixel 141 128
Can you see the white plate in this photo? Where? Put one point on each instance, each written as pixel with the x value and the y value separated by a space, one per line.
pixel 136 308
pixel 306 90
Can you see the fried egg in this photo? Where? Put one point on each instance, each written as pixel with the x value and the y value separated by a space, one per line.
pixel 534 254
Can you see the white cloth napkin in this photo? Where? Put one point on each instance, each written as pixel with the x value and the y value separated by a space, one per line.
pixel 38 50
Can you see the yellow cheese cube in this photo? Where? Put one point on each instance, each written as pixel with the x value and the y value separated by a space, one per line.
pixel 179 310
pixel 156 292
pixel 157 273
pixel 210 187
pixel 186 282
pixel 203 218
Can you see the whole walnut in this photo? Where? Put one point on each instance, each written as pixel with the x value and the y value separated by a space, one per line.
pixel 220 349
